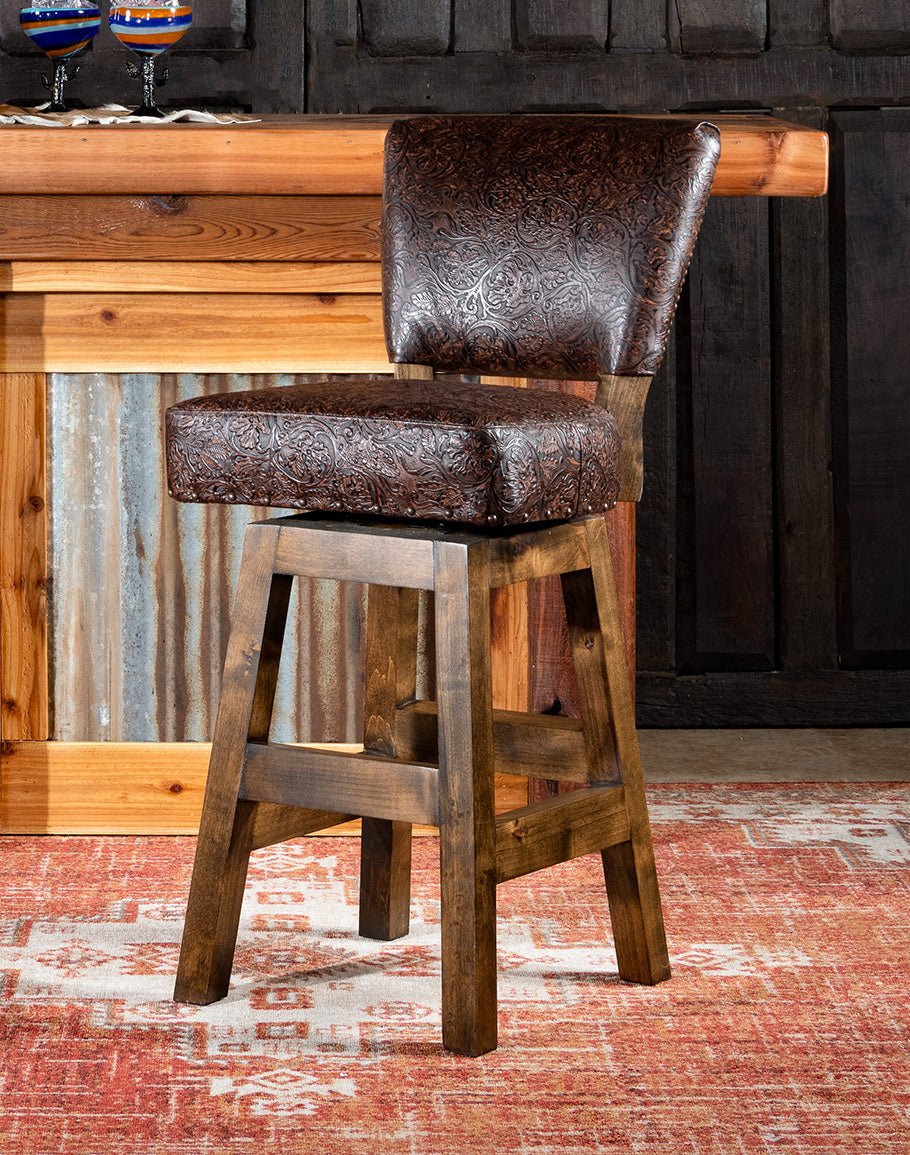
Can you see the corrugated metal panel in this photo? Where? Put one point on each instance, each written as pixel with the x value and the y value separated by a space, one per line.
pixel 142 586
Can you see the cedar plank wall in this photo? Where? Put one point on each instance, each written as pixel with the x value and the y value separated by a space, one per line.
pixel 774 557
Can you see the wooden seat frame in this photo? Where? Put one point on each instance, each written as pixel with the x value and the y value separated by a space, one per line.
pixel 432 761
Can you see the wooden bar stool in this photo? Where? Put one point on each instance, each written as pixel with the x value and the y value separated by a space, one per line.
pixel 545 247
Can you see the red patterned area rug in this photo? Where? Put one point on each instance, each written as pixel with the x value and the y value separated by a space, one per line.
pixel 785 1027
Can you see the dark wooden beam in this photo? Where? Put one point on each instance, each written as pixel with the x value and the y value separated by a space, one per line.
pixel 775 698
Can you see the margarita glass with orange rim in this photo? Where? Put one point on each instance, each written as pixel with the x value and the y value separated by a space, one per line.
pixel 149 28
pixel 62 29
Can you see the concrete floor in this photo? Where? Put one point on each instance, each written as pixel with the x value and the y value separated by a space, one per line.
pixel 858 755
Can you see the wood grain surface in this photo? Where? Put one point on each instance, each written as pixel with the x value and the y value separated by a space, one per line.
pixel 128 788
pixel 726 501
pixel 555 829
pixel 217 333
pixel 178 228
pixel 23 559
pixel 467 836
pixel 324 277
pixel 331 155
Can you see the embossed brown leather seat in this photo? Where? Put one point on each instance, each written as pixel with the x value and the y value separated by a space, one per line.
pixel 539 247
pixel 441 450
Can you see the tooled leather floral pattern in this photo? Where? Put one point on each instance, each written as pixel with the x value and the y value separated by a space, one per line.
pixel 484 455
pixel 551 246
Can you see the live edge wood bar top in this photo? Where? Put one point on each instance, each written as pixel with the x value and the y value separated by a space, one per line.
pixel 208 248
pixel 322 155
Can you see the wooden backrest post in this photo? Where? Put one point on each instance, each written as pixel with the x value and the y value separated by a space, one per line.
pixel 413 372
pixel 625 398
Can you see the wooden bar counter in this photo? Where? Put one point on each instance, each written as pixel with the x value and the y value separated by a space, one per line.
pixel 204 248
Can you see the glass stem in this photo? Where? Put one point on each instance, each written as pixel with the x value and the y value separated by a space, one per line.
pixel 57 103
pixel 148 81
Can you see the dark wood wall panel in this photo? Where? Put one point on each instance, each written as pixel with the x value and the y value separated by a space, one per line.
pixel 217 24
pixel 657 554
pixel 870 25
pixel 719 26
pixel 725 579
pixel 554 26
pixel 774 698
pixel 795 22
pixel 340 77
pixel 406 27
pixel 802 406
pixel 872 387
pixel 482 27
pixel 223 79
pixel 638 25
pixel 275 60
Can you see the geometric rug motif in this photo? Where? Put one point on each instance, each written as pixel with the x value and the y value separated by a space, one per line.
pixel 785 1027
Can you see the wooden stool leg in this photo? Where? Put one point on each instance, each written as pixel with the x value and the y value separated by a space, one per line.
pixel 608 721
pixel 466 817
pixel 385 846
pixel 226 830
pixel 385 878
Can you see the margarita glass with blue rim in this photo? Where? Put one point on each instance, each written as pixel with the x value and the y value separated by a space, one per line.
pixel 62 29
pixel 148 28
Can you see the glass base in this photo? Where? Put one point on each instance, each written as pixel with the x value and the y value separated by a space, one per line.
pixel 147 110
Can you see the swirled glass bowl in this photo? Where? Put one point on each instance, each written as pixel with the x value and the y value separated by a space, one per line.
pixel 61 31
pixel 149 30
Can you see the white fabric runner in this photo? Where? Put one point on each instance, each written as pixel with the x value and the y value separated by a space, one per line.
pixel 114 114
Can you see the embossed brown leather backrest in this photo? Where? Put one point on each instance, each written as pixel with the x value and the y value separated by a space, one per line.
pixel 540 246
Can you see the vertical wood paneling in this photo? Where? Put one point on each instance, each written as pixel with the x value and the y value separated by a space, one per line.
pixel 871 225
pixel 277 30
pixel 870 25
pixel 802 420
pixel 720 27
pixel 656 609
pixel 726 576
pixel 219 24
pixel 509 607
pixel 85 619
pixel 552 680
pixel 143 586
pixel 562 25
pixel 23 559
pixel 406 27
pixel 638 25
pixel 797 22
pixel 336 19
pixel 12 38
pixel 483 26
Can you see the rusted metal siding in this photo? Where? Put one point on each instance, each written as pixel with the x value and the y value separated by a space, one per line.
pixel 142 587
